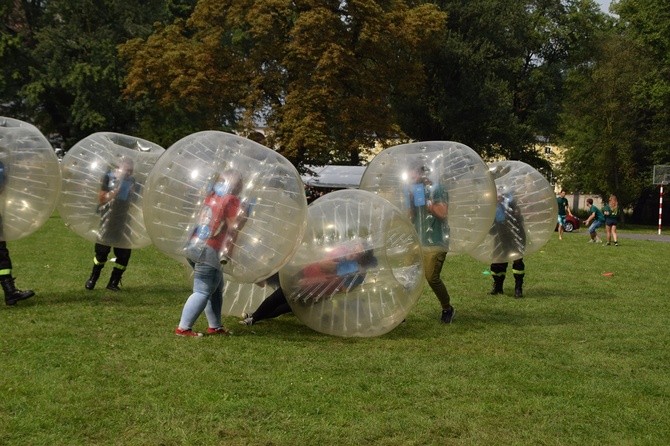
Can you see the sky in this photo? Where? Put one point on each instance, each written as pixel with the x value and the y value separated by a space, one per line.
pixel 604 5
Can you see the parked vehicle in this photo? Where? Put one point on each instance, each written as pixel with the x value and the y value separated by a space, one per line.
pixel 572 223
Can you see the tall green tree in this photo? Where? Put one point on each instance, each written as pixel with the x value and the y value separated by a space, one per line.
pixel 319 73
pixel 604 123
pixel 69 77
pixel 617 120
pixel 496 80
pixel 18 21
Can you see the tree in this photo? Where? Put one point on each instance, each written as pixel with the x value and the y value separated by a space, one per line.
pixel 617 122
pixel 319 73
pixel 604 125
pixel 68 79
pixel 496 80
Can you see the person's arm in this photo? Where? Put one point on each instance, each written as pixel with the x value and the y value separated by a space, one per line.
pixel 590 218
pixel 439 209
pixel 567 207
pixel 104 194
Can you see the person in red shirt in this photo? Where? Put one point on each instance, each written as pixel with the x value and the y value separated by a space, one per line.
pixel 210 245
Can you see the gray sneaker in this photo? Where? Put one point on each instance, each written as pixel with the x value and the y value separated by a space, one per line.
pixel 247 319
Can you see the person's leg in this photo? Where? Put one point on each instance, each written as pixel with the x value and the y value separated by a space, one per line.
pixel 519 271
pixel 498 272
pixel 614 235
pixel 597 224
pixel 205 281
pixel 213 308
pixel 561 224
pixel 12 294
pixel 273 306
pixel 592 230
pixel 433 263
pixel 121 262
pixel 99 260
pixel 215 303
pixel 608 233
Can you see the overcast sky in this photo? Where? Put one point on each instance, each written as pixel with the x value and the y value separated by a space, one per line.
pixel 604 5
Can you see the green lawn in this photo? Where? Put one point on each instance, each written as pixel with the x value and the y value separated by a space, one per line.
pixel 583 359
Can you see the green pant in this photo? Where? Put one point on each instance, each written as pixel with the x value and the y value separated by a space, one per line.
pixel 432 263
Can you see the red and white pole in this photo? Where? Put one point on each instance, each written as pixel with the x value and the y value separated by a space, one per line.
pixel 660 210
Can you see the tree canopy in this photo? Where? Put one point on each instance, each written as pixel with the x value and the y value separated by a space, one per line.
pixel 616 122
pixel 320 73
pixel 322 81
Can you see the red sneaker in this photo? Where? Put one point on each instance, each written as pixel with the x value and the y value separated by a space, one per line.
pixel 218 331
pixel 186 333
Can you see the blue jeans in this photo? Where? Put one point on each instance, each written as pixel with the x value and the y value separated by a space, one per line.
pixel 207 296
pixel 595 225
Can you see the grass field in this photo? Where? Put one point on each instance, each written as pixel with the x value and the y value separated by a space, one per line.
pixel 583 359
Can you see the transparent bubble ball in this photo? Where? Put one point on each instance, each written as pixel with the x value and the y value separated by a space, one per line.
pixel 414 177
pixel 525 215
pixel 273 207
pixel 358 271
pixel 121 162
pixel 29 179
pixel 240 298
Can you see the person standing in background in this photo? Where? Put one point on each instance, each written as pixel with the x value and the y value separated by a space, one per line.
pixel 611 213
pixel 563 211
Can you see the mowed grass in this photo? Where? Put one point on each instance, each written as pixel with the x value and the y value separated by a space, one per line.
pixel 583 359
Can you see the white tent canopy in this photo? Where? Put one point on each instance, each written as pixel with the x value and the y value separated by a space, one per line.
pixel 334 177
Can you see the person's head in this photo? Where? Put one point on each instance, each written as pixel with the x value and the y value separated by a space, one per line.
pixel 613 200
pixel 563 193
pixel 228 182
pixel 589 201
pixel 418 172
pixel 126 166
pixel 367 259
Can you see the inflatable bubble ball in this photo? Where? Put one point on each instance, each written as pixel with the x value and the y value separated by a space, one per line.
pixel 29 179
pixel 359 268
pixel 104 176
pixel 525 215
pixel 240 298
pixel 218 197
pixel 444 187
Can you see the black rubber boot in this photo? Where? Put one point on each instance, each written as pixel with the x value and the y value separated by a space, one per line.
pixel 13 295
pixel 115 280
pixel 497 285
pixel 518 285
pixel 95 275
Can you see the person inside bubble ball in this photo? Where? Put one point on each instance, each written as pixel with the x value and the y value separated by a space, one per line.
pixel 209 247
pixel 344 269
pixel 510 240
pixel 428 207
pixel 118 189
pixel 12 294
